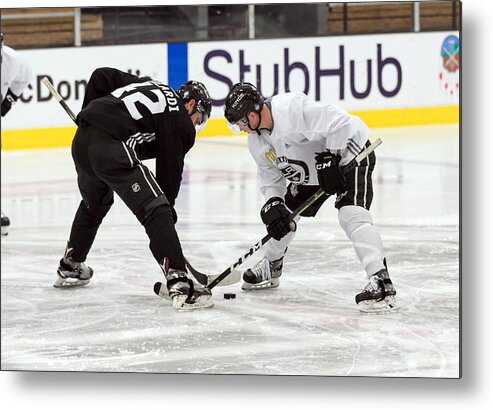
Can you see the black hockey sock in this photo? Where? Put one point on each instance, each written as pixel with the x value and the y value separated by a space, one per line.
pixel 84 229
pixel 164 241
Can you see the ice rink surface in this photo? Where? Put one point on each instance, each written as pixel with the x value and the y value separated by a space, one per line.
pixel 310 325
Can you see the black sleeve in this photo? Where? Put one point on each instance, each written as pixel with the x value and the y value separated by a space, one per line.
pixel 105 80
pixel 173 144
pixel 147 150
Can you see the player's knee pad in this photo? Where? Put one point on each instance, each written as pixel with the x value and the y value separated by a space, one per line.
pixel 352 218
pixel 157 206
pixel 95 211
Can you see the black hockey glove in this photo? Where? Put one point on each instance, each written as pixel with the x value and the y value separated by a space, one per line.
pixel 275 216
pixel 330 176
pixel 8 101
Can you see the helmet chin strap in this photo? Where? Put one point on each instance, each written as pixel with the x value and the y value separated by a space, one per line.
pixel 259 121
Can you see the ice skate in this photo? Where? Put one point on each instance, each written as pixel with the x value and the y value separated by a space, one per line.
pixel 200 298
pixel 378 296
pixel 184 294
pixel 71 273
pixel 263 275
pixel 5 225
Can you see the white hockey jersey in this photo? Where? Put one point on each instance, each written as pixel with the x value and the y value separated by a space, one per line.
pixel 16 72
pixel 302 127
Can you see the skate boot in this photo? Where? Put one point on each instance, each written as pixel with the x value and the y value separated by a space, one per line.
pixel 5 225
pixel 71 273
pixel 263 275
pixel 378 296
pixel 185 294
pixel 179 287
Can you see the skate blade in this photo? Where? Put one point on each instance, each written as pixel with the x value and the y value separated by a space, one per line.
pixel 5 230
pixel 70 282
pixel 266 284
pixel 371 307
pixel 178 301
pixel 198 305
pixel 180 305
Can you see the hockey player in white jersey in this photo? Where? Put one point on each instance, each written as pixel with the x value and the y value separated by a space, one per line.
pixel 300 146
pixel 16 74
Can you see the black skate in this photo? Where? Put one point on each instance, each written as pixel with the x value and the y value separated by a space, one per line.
pixel 5 225
pixel 200 298
pixel 71 273
pixel 263 275
pixel 184 294
pixel 378 296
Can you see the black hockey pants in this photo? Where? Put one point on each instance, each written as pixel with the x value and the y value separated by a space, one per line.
pixel 358 190
pixel 106 165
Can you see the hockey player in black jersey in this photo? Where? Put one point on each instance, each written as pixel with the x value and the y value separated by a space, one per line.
pixel 124 120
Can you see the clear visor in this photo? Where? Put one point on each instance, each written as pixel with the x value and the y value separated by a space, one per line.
pixel 200 126
pixel 236 127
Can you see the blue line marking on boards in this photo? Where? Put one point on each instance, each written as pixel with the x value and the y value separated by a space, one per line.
pixel 177 64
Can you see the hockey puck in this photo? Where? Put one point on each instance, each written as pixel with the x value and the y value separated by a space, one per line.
pixel 230 296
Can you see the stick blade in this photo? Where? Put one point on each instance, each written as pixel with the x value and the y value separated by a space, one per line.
pixel 231 279
pixel 206 280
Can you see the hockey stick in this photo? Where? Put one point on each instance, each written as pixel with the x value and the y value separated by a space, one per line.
pixel 58 97
pixel 201 277
pixel 205 279
pixel 305 205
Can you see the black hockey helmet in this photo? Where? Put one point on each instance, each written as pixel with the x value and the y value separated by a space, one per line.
pixel 197 91
pixel 242 99
pixel 203 103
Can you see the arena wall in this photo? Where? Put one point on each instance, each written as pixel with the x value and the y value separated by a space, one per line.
pixel 389 80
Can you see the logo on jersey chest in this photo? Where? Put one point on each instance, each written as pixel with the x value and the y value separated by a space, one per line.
pixel 293 170
pixel 270 155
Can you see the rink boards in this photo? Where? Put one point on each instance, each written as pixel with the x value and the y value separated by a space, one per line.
pixel 389 79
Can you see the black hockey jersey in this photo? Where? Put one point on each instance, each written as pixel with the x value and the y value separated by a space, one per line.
pixel 146 115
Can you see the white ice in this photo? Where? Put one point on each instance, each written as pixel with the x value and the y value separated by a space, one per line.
pixel 310 325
